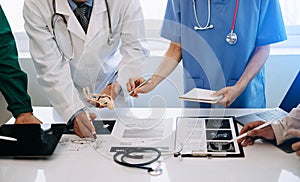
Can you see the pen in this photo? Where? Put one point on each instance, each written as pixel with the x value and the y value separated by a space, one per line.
pixel 88 116
pixel 8 138
pixel 245 134
pixel 142 84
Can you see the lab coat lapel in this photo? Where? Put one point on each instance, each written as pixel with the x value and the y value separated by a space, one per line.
pixel 73 25
pixel 96 20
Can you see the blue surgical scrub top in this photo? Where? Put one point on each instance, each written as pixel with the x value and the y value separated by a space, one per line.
pixel 208 60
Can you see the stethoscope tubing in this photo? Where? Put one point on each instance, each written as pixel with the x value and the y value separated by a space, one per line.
pixel 231 38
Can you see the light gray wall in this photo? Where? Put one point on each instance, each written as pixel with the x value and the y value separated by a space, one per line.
pixel 280 73
pixel 4 114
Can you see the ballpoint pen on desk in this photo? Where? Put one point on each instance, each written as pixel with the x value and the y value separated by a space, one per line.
pixel 139 86
pixel 8 138
pixel 245 134
pixel 88 116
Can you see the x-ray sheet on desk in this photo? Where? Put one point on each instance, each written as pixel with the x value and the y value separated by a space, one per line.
pixel 207 136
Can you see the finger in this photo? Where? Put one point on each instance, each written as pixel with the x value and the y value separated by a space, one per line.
pixel 298 153
pixel 131 84
pixel 77 130
pixel 222 101
pixel 87 129
pixel 244 143
pixel 92 116
pixel 250 126
pixel 129 88
pixel 84 125
pixel 135 95
pixel 296 146
pixel 294 132
pixel 241 140
pixel 250 141
pixel 266 133
pixel 229 102
pixel 139 81
pixel 220 92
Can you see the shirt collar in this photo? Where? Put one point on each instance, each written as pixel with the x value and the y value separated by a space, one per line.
pixel 74 6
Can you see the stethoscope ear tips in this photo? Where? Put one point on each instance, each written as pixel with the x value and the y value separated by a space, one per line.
pixel 203 28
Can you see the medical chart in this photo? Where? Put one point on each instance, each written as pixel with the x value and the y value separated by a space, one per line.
pixel 207 136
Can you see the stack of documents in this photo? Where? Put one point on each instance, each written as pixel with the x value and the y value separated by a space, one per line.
pixel 201 95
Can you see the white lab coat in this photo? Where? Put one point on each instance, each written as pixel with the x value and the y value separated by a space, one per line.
pixel 93 63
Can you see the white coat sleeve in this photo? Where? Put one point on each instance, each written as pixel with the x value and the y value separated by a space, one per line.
pixel 132 50
pixel 53 72
pixel 281 127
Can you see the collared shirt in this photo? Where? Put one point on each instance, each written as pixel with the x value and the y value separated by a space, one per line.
pixel 88 3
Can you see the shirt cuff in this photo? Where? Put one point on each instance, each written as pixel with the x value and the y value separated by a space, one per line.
pixel 70 123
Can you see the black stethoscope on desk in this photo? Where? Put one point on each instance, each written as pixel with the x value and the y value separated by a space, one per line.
pixel 231 37
pixel 131 153
pixel 54 20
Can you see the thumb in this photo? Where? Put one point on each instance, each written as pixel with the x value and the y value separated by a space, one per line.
pixel 92 116
pixel 294 132
pixel 218 93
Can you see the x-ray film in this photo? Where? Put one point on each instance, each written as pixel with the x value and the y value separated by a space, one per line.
pixel 207 136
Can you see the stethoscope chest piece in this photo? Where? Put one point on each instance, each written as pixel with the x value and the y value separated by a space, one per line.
pixel 155 172
pixel 231 38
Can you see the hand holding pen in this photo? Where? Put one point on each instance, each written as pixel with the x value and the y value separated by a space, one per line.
pixel 139 85
pixel 83 126
pixel 254 130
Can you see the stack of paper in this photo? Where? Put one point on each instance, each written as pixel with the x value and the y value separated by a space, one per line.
pixel 201 95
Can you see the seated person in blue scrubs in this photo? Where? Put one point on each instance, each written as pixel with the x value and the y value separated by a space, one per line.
pixel 280 130
pixel 223 46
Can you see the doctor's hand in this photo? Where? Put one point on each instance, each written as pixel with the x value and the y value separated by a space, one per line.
pixel 295 146
pixel 266 133
pixel 27 118
pixel 229 95
pixel 112 90
pixel 134 86
pixel 83 127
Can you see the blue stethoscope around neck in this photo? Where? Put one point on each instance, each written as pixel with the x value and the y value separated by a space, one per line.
pixel 231 37
pixel 110 38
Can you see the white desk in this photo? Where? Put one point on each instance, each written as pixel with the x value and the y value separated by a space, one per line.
pixel 262 162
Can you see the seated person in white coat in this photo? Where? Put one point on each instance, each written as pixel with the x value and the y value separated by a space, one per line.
pixel 73 45
pixel 280 130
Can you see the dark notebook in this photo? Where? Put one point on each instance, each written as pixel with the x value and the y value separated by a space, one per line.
pixel 33 140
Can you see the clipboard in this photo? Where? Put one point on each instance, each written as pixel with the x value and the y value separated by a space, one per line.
pixel 201 95
pixel 207 137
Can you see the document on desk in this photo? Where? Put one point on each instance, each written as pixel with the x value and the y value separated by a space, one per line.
pixel 207 136
pixel 148 132
pixel 201 95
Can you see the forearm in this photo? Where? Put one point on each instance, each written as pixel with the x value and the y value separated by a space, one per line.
pixel 255 64
pixel 13 80
pixel 171 59
pixel 291 121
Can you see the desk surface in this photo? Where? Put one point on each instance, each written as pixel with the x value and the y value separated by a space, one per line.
pixel 262 162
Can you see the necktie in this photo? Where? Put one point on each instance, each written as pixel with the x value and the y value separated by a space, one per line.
pixel 80 12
